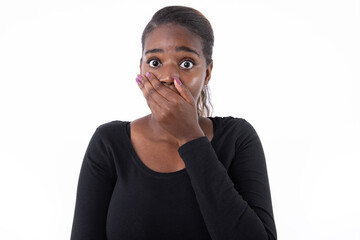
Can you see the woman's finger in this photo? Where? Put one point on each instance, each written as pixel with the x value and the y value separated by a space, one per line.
pixel 158 105
pixel 149 91
pixel 166 92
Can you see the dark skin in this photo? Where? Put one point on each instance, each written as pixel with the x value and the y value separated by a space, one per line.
pixel 170 52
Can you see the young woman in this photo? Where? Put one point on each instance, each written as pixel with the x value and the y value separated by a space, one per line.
pixel 177 173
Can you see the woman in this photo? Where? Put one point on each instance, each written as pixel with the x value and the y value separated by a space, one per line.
pixel 176 173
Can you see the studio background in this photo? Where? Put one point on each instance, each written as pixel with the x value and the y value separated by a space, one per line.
pixel 290 68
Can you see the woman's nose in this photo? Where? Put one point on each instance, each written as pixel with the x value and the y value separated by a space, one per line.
pixel 167 75
pixel 168 80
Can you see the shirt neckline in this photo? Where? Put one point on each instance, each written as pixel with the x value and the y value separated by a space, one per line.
pixel 148 170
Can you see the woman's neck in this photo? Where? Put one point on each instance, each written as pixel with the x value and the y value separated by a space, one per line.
pixel 158 134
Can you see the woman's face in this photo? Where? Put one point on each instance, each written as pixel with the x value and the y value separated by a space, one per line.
pixel 173 51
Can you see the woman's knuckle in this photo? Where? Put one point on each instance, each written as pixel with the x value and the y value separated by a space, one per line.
pixel 151 91
pixel 147 96
pixel 157 85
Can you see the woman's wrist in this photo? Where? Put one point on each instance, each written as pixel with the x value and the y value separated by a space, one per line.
pixel 188 138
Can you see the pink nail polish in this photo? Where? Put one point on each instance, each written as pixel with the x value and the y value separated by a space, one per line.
pixel 140 77
pixel 148 74
pixel 138 81
pixel 177 81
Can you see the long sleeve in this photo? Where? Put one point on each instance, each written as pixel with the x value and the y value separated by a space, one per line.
pixel 235 204
pixel 95 187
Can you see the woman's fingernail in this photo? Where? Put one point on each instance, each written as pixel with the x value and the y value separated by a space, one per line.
pixel 139 77
pixel 148 74
pixel 177 81
pixel 138 81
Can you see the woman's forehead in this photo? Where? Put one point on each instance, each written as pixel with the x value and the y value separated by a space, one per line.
pixel 170 37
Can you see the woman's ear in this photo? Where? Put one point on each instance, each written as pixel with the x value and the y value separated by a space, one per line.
pixel 208 72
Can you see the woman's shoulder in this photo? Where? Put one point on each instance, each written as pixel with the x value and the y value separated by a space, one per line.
pixel 234 133
pixel 230 125
pixel 229 121
pixel 120 127
pixel 111 128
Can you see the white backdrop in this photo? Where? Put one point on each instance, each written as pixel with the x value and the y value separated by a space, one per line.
pixel 290 68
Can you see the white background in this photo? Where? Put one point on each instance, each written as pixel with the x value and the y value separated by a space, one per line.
pixel 290 68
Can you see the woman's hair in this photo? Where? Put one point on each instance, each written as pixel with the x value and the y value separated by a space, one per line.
pixel 196 23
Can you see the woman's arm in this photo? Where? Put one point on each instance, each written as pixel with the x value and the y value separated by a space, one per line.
pixel 95 187
pixel 235 205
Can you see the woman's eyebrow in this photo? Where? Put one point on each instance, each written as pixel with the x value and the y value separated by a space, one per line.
pixel 186 49
pixel 178 49
pixel 154 50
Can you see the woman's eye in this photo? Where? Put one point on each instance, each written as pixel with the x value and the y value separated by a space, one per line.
pixel 187 64
pixel 154 63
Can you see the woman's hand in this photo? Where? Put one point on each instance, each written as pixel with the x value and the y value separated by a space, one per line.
pixel 175 113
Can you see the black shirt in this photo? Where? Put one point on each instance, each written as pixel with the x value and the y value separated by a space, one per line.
pixel 222 193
